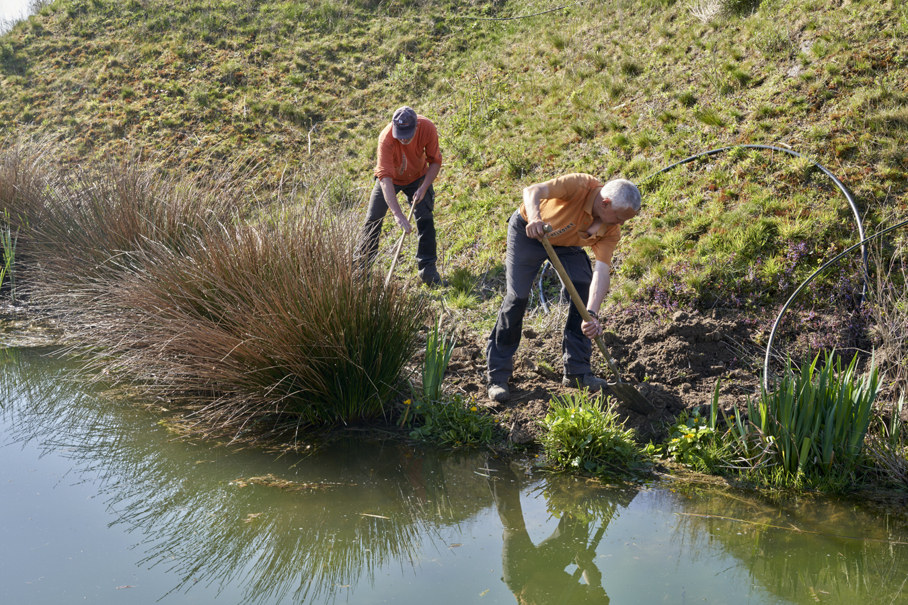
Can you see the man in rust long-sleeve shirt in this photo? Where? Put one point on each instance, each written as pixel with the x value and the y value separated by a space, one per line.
pixel 408 160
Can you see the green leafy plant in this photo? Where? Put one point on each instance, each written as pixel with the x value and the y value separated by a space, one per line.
pixel 814 421
pixel 584 433
pixel 696 440
pixel 458 422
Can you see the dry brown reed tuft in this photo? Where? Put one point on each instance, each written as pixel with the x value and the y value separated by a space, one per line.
pixel 261 322
pixel 163 284
pixel 889 313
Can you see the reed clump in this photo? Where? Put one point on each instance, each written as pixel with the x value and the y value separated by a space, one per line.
pixel 262 321
pixel 164 284
pixel 813 424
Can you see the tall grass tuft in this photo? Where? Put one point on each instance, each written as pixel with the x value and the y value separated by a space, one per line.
pixel 86 226
pixel 887 452
pixel 8 242
pixel 261 322
pixel 813 423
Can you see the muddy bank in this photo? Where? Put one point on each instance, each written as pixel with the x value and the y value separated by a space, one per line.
pixel 674 362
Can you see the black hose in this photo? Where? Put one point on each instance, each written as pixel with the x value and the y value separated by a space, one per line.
pixel 775 325
pixel 837 182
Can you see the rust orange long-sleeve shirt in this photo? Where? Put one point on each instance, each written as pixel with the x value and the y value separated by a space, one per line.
pixel 406 163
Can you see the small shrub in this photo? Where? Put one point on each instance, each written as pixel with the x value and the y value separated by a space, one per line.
pixel 583 433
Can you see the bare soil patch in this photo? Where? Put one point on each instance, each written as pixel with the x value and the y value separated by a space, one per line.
pixel 674 363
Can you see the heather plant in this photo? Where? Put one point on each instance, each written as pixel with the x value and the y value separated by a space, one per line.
pixel 812 424
pixel 583 432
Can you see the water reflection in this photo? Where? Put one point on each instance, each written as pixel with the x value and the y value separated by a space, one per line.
pixel 537 573
pixel 369 521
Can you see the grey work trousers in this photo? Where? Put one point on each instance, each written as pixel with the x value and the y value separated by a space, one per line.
pixel 524 258
pixel 425 223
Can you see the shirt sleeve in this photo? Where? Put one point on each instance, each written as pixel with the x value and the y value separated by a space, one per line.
pixel 605 247
pixel 571 188
pixel 384 162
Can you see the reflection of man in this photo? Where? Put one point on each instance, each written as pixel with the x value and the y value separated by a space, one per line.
pixel 536 573
pixel 408 160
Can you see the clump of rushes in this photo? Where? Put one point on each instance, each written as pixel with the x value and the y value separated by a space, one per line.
pixel 8 241
pixel 812 426
pixel 584 433
pixel 84 229
pixel 260 322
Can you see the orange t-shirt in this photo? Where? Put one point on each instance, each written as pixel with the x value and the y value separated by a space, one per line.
pixel 569 210
pixel 406 163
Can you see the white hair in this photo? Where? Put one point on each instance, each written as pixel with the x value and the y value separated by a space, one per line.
pixel 623 193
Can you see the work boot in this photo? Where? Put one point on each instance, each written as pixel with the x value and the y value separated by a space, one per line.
pixel 498 391
pixel 429 276
pixel 588 380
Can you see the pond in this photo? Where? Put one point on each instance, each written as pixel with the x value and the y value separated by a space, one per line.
pixel 102 505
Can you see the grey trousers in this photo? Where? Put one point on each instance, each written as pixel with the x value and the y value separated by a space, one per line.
pixel 425 223
pixel 524 258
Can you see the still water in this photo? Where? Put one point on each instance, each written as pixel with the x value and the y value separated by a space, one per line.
pixel 101 505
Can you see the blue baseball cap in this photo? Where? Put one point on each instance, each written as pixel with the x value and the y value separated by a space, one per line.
pixel 403 125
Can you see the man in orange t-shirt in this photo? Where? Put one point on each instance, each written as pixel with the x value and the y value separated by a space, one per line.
pixel 582 213
pixel 408 160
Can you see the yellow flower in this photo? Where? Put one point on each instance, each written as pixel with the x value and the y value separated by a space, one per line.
pixel 473 409
pixel 407 402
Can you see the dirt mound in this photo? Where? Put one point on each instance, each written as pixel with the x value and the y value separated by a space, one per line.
pixel 673 362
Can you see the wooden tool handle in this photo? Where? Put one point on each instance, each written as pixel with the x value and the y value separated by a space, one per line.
pixel 575 296
pixel 397 248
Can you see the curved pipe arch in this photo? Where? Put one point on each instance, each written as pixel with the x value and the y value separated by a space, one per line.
pixel 832 177
pixel 803 285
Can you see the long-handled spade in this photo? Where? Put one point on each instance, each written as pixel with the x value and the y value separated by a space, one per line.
pixel 397 248
pixel 624 391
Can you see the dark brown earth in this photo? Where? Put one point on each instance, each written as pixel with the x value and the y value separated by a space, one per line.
pixel 673 362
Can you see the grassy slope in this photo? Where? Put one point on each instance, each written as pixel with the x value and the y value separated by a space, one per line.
pixel 613 88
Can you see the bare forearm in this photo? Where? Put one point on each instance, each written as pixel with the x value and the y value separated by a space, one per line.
pixel 599 287
pixel 532 196
pixel 387 188
pixel 433 171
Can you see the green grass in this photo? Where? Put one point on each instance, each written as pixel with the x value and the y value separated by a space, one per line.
pixel 203 87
